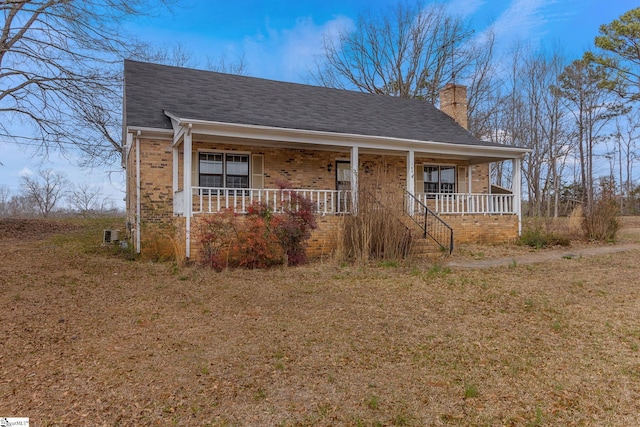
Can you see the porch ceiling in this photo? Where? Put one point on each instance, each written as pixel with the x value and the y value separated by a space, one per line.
pixel 206 138
pixel 208 131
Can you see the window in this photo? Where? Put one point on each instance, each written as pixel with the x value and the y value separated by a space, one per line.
pixel 237 169
pixel 224 170
pixel 439 179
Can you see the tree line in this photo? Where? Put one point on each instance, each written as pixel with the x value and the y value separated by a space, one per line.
pixel 49 193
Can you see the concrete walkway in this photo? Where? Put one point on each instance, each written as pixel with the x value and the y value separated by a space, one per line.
pixel 537 257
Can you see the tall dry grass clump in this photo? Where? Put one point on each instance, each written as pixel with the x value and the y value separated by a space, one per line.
pixel 376 231
pixel 602 223
pixel 574 225
pixel 546 232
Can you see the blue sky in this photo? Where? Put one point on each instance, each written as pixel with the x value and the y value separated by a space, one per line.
pixel 279 40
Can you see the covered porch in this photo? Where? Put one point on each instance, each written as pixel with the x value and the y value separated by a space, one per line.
pixel 329 169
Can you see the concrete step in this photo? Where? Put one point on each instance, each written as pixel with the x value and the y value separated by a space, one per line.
pixel 422 246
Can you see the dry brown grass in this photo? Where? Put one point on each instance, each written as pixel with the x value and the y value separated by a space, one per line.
pixel 91 339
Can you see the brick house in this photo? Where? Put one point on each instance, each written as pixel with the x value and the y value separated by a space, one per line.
pixel 196 142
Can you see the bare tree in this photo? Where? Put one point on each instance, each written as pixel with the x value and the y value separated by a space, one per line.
pixel 483 87
pixel 5 197
pixel 223 64
pixel 410 51
pixel 626 135
pixel 531 116
pixel 85 198
pixel 177 55
pixel 46 189
pixel 60 72
pixel 22 205
pixel 586 89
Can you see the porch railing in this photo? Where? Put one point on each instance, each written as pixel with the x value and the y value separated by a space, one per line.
pixel 331 202
pixel 468 203
pixel 430 223
pixel 212 200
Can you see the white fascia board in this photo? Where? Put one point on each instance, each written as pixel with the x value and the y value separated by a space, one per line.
pixel 178 133
pixel 268 133
pixel 148 132
pixel 175 120
pixel 127 148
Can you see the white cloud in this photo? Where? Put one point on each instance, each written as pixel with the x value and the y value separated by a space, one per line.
pixel 528 20
pixel 288 54
pixel 522 20
pixel 25 171
pixel 464 8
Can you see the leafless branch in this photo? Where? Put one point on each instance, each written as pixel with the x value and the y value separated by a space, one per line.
pixel 60 72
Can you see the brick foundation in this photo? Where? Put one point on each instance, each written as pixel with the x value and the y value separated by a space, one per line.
pixel 483 228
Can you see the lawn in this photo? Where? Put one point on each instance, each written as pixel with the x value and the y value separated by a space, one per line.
pixel 89 338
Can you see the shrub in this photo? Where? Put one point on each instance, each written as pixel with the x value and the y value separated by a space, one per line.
pixel 376 232
pixel 294 227
pixel 538 238
pixel 260 238
pixel 602 222
pixel 218 233
pixel 257 243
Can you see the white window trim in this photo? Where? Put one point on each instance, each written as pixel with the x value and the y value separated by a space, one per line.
pixel 224 153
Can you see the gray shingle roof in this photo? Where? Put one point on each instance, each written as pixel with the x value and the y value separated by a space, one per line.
pixel 151 89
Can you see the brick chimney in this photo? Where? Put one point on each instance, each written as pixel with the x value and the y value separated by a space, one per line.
pixel 453 102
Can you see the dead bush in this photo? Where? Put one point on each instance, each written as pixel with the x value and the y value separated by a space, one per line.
pixel 601 222
pixel 376 231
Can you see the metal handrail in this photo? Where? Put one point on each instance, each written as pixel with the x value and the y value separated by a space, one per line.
pixel 430 223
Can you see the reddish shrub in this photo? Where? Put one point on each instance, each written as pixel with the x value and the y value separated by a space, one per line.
pixel 258 246
pixel 218 235
pixel 262 239
pixel 293 228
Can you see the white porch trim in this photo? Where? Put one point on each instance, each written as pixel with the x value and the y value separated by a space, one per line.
pixel 176 159
pixel 138 196
pixel 477 153
pixel 211 200
pixel 186 177
pixel 411 173
pixel 517 190
pixel 355 166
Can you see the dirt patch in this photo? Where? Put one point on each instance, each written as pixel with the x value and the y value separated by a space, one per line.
pixel 91 339
pixel 29 229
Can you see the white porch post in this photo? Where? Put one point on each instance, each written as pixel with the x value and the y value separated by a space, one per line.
pixel 470 201
pixel 175 169
pixel 355 166
pixel 411 180
pixel 517 192
pixel 186 187
pixel 138 196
